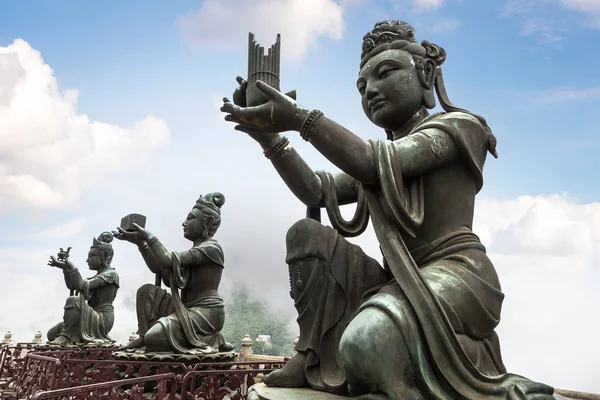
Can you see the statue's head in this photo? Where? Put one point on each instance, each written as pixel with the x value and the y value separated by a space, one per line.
pixel 101 253
pixel 204 219
pixel 397 74
pixel 398 77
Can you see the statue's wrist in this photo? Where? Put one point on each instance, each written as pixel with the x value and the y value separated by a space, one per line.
pixel 152 240
pixel 69 267
pixel 143 246
pixel 309 123
pixel 299 118
pixel 270 141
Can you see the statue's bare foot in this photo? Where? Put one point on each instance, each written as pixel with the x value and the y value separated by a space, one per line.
pixel 135 344
pixel 291 375
pixel 61 341
pixel 225 347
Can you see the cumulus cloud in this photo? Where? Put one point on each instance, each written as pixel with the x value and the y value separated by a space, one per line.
pixel 49 150
pixel 540 19
pixel 227 23
pixel 561 95
pixel 590 8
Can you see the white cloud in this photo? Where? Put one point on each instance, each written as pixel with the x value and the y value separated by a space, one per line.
pixel 64 230
pixel 300 22
pixel 559 95
pixel 444 25
pixel 540 19
pixel 426 5
pixel 590 8
pixel 50 151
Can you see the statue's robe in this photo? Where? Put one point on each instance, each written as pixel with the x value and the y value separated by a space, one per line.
pixel 333 280
pixel 89 316
pixel 193 324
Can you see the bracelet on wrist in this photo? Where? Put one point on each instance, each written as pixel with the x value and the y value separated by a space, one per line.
pixel 270 152
pixel 308 124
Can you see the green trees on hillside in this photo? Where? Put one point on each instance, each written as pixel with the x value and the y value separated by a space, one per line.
pixel 247 314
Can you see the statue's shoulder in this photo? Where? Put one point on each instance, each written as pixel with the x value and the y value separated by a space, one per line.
pixel 211 249
pixel 110 275
pixel 454 121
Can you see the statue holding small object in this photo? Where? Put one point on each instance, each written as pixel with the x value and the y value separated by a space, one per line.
pixel 189 319
pixel 421 324
pixel 89 312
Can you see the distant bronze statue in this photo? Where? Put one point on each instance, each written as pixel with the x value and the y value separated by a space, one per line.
pixel 190 321
pixel 422 325
pixel 89 313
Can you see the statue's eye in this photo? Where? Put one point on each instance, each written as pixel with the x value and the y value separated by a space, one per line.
pixel 361 88
pixel 385 71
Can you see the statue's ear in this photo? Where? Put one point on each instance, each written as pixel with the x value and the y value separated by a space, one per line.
pixel 428 76
pixel 208 220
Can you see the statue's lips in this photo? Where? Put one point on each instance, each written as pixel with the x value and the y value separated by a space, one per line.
pixel 375 104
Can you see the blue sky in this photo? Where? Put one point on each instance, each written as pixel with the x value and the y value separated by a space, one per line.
pixel 528 66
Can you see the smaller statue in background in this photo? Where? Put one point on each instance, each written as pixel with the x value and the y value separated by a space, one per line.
pixel 89 312
pixel 189 319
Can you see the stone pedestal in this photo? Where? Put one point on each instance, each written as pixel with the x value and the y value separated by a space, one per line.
pixel 262 392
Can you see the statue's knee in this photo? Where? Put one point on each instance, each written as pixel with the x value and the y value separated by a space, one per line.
pixel 71 301
pixel 156 338
pixel 144 291
pixel 370 341
pixel 305 229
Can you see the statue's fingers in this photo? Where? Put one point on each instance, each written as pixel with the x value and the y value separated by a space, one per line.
pixel 226 100
pixel 233 118
pixel 242 82
pixel 137 227
pixel 247 129
pixel 270 91
pixel 292 94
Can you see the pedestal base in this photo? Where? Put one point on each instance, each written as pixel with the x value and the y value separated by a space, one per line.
pixel 262 392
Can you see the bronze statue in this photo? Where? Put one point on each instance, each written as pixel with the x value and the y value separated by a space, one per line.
pixel 420 326
pixel 189 322
pixel 89 314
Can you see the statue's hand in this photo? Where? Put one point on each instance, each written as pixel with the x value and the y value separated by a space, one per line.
pixel 281 113
pixel 239 94
pixel 57 263
pixel 137 236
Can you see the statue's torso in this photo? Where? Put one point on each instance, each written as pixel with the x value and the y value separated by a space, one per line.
pixel 103 296
pixel 449 201
pixel 204 282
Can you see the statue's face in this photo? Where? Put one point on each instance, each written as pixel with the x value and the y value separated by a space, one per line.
pixel 193 226
pixel 95 260
pixel 390 89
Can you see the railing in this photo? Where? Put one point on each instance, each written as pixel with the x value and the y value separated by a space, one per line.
pixel 133 388
pixel 49 373
pixel 232 383
pixel 12 364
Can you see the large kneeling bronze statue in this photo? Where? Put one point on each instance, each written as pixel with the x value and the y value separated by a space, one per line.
pixel 420 325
